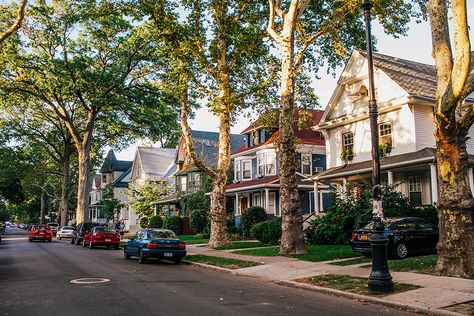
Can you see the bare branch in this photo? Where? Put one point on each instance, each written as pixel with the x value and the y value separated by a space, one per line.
pixel 17 24
pixel 271 24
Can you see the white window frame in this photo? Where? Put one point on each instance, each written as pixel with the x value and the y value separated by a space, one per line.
pixel 272 198
pixel 267 155
pixel 249 161
pixel 345 143
pixel 181 183
pixel 261 164
pixel 310 158
pixel 413 187
pixel 237 171
pixel 256 202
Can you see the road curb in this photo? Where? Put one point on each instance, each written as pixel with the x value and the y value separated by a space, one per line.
pixel 375 300
pixel 210 267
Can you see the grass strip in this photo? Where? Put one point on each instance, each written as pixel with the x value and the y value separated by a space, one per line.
pixel 351 261
pixel 191 239
pixel 227 263
pixel 350 284
pixel 242 245
pixel 315 253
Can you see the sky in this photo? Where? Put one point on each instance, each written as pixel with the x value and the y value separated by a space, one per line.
pixel 416 46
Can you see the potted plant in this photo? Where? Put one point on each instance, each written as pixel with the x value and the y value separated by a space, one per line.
pixel 346 155
pixel 385 149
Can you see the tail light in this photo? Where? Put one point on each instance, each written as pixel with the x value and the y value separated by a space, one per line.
pixel 182 245
pixel 354 236
pixel 81 233
pixel 152 245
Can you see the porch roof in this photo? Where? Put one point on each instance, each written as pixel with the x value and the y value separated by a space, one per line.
pixel 172 198
pixel 267 182
pixel 424 155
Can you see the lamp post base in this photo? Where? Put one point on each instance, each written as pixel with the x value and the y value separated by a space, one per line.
pixel 380 280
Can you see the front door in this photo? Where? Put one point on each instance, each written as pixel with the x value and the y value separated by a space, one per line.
pixel 244 203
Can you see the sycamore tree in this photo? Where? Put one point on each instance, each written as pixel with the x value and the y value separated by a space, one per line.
pixel 454 119
pixel 314 33
pixel 212 51
pixel 13 27
pixel 88 63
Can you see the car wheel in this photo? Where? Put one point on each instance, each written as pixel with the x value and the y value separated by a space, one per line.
pixel 401 251
pixel 141 257
pixel 125 253
pixel 49 240
pixel 72 241
pixel 91 245
pixel 177 261
pixel 78 242
pixel 84 244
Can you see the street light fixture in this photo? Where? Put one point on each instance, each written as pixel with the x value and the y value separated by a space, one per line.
pixel 380 280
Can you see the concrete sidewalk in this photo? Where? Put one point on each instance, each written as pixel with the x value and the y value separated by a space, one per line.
pixel 437 295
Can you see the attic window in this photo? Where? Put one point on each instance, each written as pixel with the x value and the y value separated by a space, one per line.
pixel 362 93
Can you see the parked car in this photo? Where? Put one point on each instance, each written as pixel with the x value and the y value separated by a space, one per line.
pixel 64 232
pixel 407 236
pixel 40 232
pixel 80 231
pixel 101 236
pixel 155 243
pixel 54 227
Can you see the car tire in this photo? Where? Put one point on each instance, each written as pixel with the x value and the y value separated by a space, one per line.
pixel 177 261
pixel 125 253
pixel 401 251
pixel 84 244
pixel 49 240
pixel 72 241
pixel 78 242
pixel 91 245
pixel 141 257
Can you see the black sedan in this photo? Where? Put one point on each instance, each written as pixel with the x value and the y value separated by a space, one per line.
pixel 407 235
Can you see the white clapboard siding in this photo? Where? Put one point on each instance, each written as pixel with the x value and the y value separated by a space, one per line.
pixel 424 126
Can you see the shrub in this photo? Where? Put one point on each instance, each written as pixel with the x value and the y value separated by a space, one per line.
pixel 198 220
pixel 156 221
pixel 250 217
pixel 174 223
pixel 144 221
pixel 268 232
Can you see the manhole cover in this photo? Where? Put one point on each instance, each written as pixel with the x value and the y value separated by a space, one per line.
pixel 89 281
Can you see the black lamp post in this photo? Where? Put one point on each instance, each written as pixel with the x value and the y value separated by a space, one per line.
pixel 380 280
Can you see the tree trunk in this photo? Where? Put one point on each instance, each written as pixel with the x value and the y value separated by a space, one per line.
pixel 292 239
pixel 64 203
pixel 42 206
pixel 218 199
pixel 83 187
pixel 455 205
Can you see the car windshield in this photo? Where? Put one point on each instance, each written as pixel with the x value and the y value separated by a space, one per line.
pixel 67 228
pixel 389 223
pixel 161 234
pixel 41 227
pixel 104 229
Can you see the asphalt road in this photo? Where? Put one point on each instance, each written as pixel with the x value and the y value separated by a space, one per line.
pixel 35 280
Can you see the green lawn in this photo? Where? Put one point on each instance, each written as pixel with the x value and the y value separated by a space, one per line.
pixel 351 261
pixel 221 262
pixel 241 245
pixel 315 252
pixel 422 264
pixel 349 283
pixel 191 239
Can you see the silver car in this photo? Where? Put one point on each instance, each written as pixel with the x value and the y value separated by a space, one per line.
pixel 64 232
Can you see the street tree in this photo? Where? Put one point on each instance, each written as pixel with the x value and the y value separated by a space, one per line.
pixel 143 195
pixel 215 53
pixel 315 33
pixel 454 118
pixel 87 62
pixel 111 206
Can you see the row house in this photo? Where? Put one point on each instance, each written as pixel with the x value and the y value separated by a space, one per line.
pixel 186 177
pixel 405 93
pixel 256 168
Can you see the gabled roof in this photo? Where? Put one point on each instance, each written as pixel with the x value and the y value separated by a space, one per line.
pixel 207 143
pixel 111 164
pixel 416 78
pixel 155 161
pixel 303 135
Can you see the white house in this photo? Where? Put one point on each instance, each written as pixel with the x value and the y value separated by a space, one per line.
pixel 405 94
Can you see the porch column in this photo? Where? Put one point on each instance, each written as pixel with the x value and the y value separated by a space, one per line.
pixel 316 198
pixel 266 200
pixel 390 177
pixel 434 184
pixel 236 204
pixel 471 180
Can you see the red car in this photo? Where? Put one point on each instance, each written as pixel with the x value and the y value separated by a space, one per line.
pixel 40 232
pixel 101 236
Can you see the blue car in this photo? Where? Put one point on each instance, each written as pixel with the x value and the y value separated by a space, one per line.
pixel 155 243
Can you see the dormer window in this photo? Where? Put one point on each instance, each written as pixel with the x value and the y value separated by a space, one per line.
pixel 262 136
pixel 255 138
